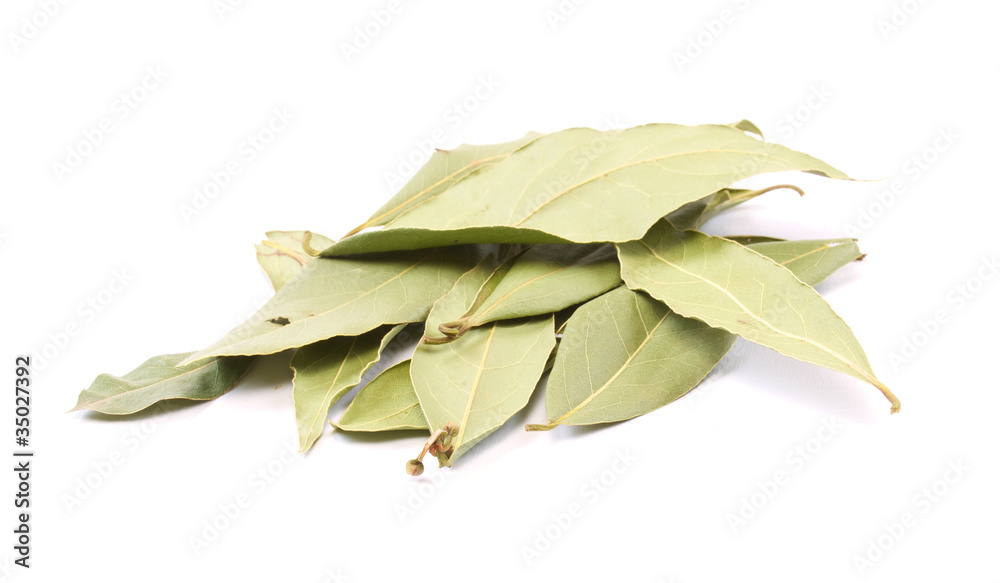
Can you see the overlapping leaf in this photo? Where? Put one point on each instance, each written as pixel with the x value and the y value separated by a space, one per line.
pixel 695 214
pixel 346 297
pixel 811 261
pixel 283 255
pixel 549 207
pixel 542 280
pixel 444 169
pixel 585 186
pixel 326 371
pixel 160 378
pixel 729 286
pixel 625 354
pixel 387 403
pixel 478 381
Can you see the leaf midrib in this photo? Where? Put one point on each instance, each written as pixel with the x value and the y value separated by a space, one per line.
pixel 459 439
pixel 614 377
pixel 326 397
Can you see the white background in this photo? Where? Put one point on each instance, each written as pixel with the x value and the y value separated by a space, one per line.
pixel 824 78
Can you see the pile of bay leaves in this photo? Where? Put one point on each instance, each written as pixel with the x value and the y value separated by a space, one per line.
pixel 575 253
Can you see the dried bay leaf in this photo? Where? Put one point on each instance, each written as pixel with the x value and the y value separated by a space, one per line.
pixel 387 403
pixel 732 287
pixel 326 371
pixel 161 378
pixel 542 280
pixel 811 261
pixel 586 186
pixel 444 169
pixel 283 254
pixel 478 381
pixel 695 214
pixel 625 354
pixel 346 297
pixel 413 238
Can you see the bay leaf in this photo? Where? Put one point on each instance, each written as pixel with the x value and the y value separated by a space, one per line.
pixel 346 297
pixel 409 238
pixel 161 378
pixel 748 126
pixel 586 186
pixel 325 371
pixel 625 354
pixel 444 169
pixel 387 403
pixel 478 381
pixel 282 254
pixel 695 214
pixel 732 287
pixel 811 261
pixel 542 280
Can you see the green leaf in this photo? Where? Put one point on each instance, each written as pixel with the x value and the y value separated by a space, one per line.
pixel 542 280
pixel 409 238
pixel 346 297
pixel 810 261
pixel 326 371
pixel 481 379
pixel 586 186
pixel 444 169
pixel 729 286
pixel 387 403
pixel 748 126
pixel 282 255
pixel 625 354
pixel 160 378
pixel 695 214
